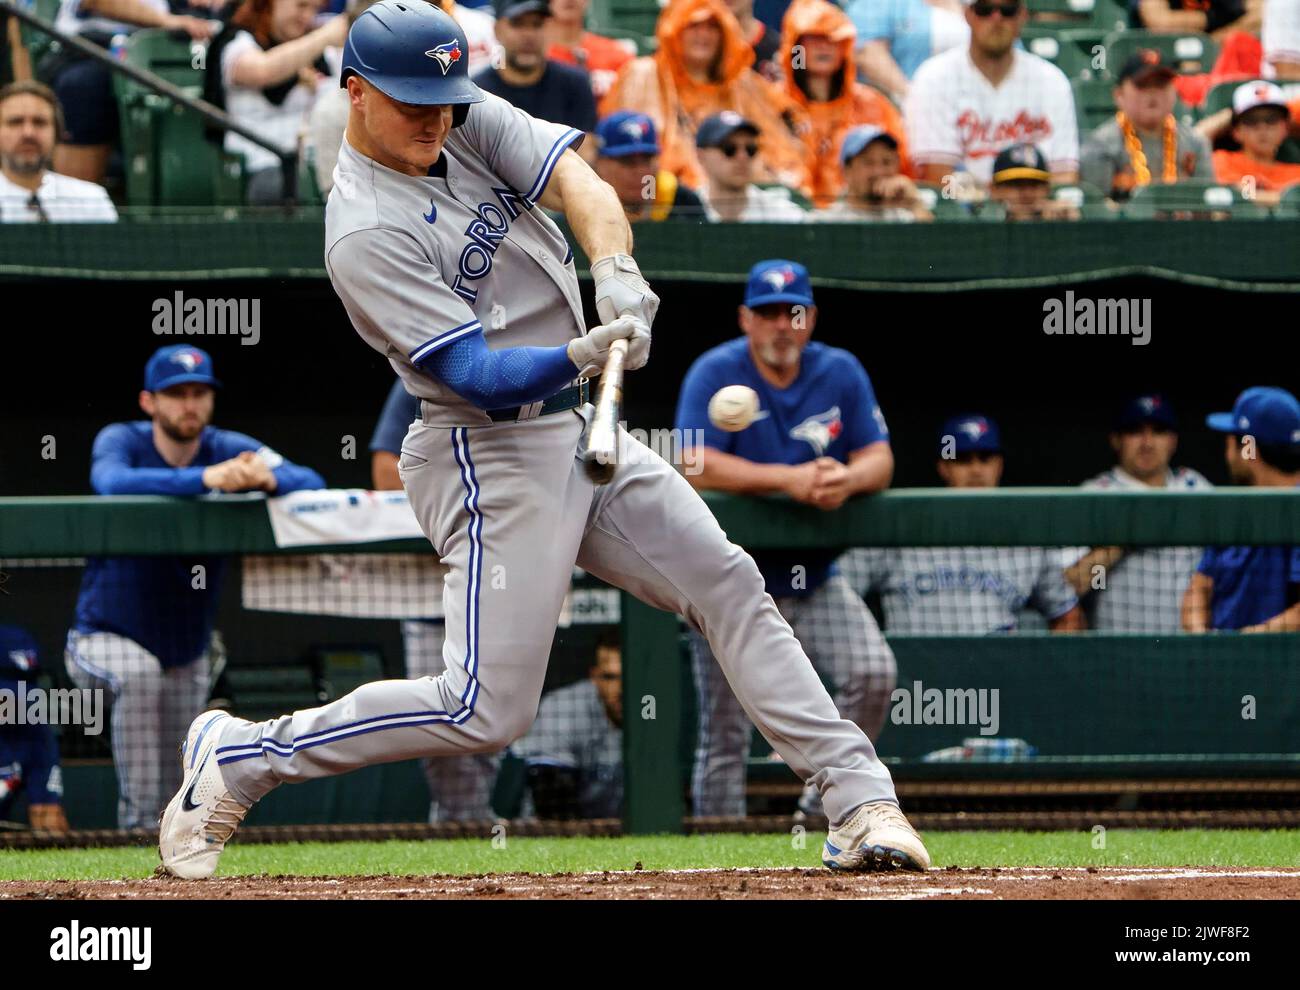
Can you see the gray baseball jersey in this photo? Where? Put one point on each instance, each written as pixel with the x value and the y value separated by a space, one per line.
pixel 959 591
pixel 412 256
pixel 1144 589
pixel 420 261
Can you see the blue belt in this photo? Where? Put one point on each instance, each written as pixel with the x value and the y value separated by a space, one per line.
pixel 569 398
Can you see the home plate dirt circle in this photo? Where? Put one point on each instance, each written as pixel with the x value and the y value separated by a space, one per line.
pixel 952 883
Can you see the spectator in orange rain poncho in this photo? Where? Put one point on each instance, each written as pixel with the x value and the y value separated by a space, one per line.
pixel 820 78
pixel 702 67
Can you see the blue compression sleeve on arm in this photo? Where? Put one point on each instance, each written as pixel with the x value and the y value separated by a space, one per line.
pixel 512 376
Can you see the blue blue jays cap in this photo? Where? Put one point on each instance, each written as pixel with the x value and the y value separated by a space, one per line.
pixel 717 128
pixel 627 133
pixel 1142 409
pixel 1270 415
pixel 778 281
pixel 856 141
pixel 176 365
pixel 971 434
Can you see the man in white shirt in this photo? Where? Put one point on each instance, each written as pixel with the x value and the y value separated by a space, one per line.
pixel 30 122
pixel 727 145
pixel 1281 40
pixel 967 104
pixel 1137 589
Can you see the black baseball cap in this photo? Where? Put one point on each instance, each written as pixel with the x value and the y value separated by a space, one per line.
pixel 1144 65
pixel 717 128
pixel 517 8
pixel 1020 161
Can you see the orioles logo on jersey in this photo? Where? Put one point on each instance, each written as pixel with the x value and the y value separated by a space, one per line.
pixel 821 430
pixel 445 55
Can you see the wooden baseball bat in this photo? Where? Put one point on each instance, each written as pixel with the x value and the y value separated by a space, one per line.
pixel 600 455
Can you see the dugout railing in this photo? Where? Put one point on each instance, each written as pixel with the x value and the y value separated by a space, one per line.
pixel 1095 706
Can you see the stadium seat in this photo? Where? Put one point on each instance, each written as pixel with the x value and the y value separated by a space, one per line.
pixel 1189 53
pixel 1199 200
pixel 169 159
pixel 631 19
pixel 1069 49
pixel 1094 102
pixel 38 43
pixel 1101 15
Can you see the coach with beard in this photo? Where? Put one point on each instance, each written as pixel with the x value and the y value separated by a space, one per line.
pixel 144 624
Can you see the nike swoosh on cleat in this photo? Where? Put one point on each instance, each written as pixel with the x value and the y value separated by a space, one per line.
pixel 187 802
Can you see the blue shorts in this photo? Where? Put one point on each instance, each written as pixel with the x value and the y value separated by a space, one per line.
pixel 85 91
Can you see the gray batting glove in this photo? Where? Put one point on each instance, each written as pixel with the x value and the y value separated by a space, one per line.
pixel 590 353
pixel 620 290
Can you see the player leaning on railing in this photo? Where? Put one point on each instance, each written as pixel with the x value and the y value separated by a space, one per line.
pixel 435 243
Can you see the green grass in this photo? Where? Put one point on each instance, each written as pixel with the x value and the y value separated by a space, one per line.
pixel 1123 847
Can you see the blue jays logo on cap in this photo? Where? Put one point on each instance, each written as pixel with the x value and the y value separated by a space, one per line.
pixel 24 660
pixel 1151 408
pixel 176 365
pixel 446 55
pixel 970 434
pixel 627 132
pixel 778 281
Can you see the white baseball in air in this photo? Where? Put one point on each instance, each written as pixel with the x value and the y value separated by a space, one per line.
pixel 733 408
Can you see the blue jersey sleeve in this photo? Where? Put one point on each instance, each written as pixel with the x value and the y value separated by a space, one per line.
pixel 289 477
pixel 692 420
pixel 113 470
pixel 400 410
pixel 511 376
pixel 1208 561
pixel 864 423
pixel 42 774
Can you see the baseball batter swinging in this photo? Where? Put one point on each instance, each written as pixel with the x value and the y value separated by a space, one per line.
pixel 446 264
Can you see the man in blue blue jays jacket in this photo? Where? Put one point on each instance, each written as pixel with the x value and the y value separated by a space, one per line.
pixel 144 625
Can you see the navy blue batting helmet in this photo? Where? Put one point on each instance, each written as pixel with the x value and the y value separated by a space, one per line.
pixel 412 52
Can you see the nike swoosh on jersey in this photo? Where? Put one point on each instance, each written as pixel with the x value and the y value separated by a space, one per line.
pixel 432 215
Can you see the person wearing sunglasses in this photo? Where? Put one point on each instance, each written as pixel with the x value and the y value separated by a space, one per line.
pixel 967 104
pixel 874 187
pixel 727 144
pixel 628 158
pixel 31 122
pixel 821 80
pixel 896 36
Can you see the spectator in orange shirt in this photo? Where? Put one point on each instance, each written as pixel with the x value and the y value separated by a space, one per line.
pixel 570 42
pixel 1260 120
pixel 821 79
pixel 702 67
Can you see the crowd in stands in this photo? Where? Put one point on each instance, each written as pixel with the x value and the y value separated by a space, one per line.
pixel 872 112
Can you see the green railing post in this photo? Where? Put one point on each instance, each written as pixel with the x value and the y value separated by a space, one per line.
pixel 652 720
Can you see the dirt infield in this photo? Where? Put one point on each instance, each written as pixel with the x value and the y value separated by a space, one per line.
pixel 953 883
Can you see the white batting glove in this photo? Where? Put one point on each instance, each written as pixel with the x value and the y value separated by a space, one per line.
pixel 591 352
pixel 620 290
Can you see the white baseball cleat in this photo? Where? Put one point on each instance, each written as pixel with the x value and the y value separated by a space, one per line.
pixel 203 815
pixel 876 836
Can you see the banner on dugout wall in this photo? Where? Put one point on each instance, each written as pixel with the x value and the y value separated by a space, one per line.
pixel 360 585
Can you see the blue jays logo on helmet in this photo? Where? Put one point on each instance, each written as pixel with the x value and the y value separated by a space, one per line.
pixel 446 55
pixel 189 360
pixel 779 278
